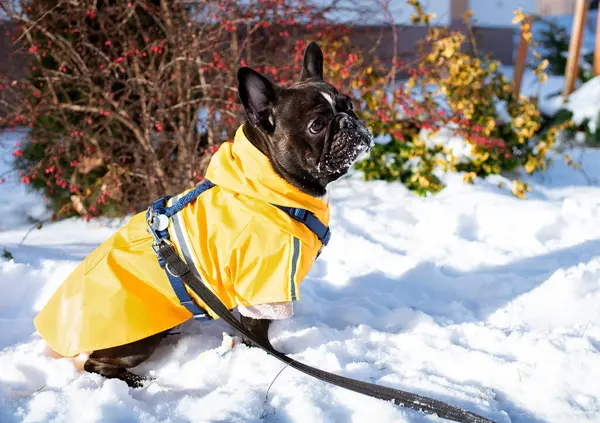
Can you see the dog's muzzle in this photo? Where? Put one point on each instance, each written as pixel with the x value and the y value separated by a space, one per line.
pixel 350 139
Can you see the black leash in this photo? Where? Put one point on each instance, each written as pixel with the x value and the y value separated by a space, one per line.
pixel 177 267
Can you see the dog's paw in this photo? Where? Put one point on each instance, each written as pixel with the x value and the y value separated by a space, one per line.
pixel 249 343
pixel 133 380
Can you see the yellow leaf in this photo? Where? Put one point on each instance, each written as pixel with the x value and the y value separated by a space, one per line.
pixel 518 16
pixel 530 165
pixel 469 177
pixel 468 15
pixel 520 188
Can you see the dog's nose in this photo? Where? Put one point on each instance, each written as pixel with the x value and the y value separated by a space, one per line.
pixel 346 122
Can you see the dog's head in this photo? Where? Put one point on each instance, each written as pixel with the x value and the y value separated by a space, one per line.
pixel 309 131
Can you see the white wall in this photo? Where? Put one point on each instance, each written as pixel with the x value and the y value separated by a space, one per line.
pixel 369 12
pixel 499 12
pixel 492 13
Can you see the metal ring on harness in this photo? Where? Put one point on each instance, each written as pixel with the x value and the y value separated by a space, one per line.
pixel 170 271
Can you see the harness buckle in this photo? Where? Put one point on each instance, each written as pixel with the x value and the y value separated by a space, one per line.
pixel 190 304
pixel 156 246
pixel 299 214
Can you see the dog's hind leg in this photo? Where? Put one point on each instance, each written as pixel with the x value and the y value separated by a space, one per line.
pixel 114 362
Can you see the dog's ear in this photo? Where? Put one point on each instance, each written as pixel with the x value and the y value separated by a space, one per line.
pixel 258 96
pixel 312 67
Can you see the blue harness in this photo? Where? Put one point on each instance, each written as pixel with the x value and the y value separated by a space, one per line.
pixel 159 215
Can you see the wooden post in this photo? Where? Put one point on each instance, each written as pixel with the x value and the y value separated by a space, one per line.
pixel 521 59
pixel 597 48
pixel 572 71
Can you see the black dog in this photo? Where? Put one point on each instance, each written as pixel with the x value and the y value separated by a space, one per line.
pixel 311 137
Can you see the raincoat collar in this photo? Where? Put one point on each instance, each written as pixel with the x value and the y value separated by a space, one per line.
pixel 240 167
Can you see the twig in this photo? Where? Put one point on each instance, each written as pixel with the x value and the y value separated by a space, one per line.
pixel 37 225
pixel 265 413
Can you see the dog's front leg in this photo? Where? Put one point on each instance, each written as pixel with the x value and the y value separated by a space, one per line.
pixel 260 329
pixel 258 318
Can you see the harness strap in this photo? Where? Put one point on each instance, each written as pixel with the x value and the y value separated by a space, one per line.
pixel 310 221
pixel 198 313
pixel 158 216
pixel 186 199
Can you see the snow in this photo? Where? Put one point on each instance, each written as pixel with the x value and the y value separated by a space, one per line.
pixel 454 144
pixel 584 104
pixel 470 296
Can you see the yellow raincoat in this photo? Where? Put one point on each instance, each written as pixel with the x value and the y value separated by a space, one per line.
pixel 247 251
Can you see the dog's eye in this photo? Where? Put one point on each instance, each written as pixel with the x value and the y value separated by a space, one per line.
pixel 317 126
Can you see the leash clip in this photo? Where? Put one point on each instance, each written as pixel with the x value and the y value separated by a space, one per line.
pixel 156 246
pixel 160 243
pixel 157 222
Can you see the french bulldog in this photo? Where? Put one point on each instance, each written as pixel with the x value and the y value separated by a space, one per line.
pixel 311 135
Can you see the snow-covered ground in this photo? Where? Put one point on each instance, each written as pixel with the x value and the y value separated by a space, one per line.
pixel 471 296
